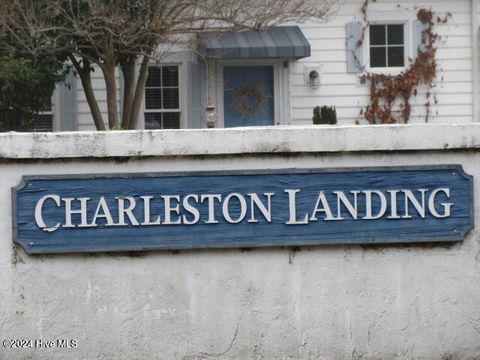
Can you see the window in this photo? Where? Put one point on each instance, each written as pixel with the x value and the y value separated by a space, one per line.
pixel 387 45
pixel 162 103
pixel 43 121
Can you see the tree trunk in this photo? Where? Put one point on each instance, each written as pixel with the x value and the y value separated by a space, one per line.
pixel 85 77
pixel 111 84
pixel 92 101
pixel 128 71
pixel 139 92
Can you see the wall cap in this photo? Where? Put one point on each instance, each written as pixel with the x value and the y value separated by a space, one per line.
pixel 258 140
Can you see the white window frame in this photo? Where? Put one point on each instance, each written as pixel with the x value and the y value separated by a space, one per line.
pixel 56 108
pixel 402 18
pixel 181 96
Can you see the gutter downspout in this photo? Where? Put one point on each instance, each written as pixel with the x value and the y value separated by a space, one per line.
pixel 475 59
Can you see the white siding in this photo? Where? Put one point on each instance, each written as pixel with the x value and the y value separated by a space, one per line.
pixel 477 97
pixel 85 120
pixel 453 86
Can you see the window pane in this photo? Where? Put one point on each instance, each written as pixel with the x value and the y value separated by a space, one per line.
pixel 154 77
pixel 43 123
pixel 171 120
pixel 47 106
pixel 377 35
pixel 378 57
pixel 162 94
pixel 395 34
pixel 395 56
pixel 153 98
pixel 153 121
pixel 170 75
pixel 170 99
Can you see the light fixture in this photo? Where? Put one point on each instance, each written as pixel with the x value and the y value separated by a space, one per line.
pixel 314 79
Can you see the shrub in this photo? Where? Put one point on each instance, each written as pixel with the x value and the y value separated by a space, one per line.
pixel 324 115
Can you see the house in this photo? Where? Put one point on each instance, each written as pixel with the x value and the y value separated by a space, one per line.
pixel 284 72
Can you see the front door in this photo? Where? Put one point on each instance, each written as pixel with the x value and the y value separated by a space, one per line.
pixel 248 96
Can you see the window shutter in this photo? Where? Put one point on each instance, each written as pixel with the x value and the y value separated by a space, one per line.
pixel 418 45
pixel 196 91
pixel 68 104
pixel 354 31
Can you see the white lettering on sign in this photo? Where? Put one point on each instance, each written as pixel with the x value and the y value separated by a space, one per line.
pixel 192 210
pixel 255 202
pixel 102 211
pixel 368 204
pixel 146 212
pixel 235 208
pixel 343 200
pixel 38 213
pixel 69 212
pixel 292 206
pixel 446 206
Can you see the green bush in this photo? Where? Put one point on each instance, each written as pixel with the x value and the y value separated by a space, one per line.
pixel 26 87
pixel 324 115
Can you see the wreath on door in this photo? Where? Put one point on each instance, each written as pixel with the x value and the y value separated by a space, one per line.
pixel 248 101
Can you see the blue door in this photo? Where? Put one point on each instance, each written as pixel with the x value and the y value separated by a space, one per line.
pixel 248 96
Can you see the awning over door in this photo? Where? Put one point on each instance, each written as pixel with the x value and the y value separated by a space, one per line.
pixel 273 43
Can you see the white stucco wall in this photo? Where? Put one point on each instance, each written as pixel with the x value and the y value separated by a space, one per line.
pixel 325 302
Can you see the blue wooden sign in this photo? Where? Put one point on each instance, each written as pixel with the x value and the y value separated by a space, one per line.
pixel 127 212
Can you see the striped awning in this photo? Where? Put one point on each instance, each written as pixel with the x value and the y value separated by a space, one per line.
pixel 275 42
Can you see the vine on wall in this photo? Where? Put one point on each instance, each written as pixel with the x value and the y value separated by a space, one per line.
pixel 390 95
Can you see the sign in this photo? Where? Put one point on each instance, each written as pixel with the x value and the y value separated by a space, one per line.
pixel 126 212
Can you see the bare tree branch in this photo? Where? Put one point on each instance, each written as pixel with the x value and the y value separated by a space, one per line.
pixel 110 33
